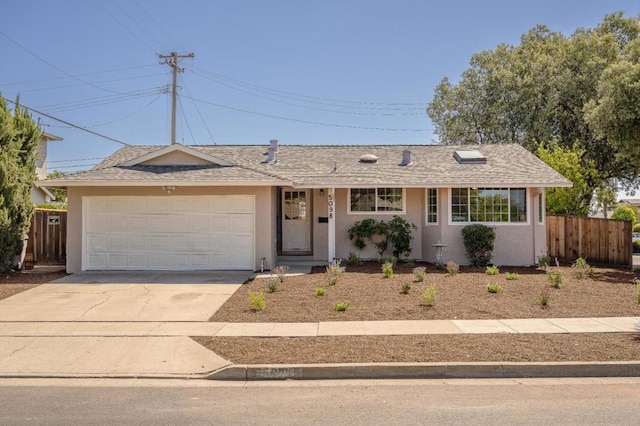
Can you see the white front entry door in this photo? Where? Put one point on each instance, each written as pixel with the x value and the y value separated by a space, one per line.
pixel 168 232
pixel 296 221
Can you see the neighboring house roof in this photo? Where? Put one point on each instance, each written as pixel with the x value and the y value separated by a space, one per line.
pixel 50 137
pixel 320 166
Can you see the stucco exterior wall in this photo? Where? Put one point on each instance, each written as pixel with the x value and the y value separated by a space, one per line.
pixel 265 234
pixel 320 230
pixel 414 214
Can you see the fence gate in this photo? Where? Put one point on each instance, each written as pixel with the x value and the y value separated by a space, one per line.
pixel 599 241
pixel 47 242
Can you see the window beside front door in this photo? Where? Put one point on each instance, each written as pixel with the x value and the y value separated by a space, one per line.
pixel 378 200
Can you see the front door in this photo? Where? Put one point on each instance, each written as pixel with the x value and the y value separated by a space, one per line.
pixel 296 221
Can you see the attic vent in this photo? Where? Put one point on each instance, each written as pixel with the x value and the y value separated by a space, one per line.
pixel 369 159
pixel 469 157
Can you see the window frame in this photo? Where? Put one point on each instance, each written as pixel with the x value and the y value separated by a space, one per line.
pixel 527 209
pixel 428 205
pixel 376 198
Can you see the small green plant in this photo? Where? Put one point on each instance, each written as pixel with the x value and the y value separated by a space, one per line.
pixel 320 291
pixel 387 270
pixel 331 281
pixel 280 271
pixel 420 273
pixel 391 259
pixel 555 278
pixel 543 298
pixel 428 296
pixel 452 268
pixel 341 306
pixel 637 283
pixel 512 276
pixel 494 288
pixel 439 266
pixel 335 269
pixel 492 270
pixel 581 268
pixel 353 259
pixel 544 262
pixel 257 301
pixel 406 287
pixel 273 286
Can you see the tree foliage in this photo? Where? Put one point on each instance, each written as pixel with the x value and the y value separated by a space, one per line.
pixel 59 193
pixel 19 136
pixel 397 232
pixel 581 89
pixel 626 212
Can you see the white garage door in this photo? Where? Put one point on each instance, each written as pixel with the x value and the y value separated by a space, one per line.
pixel 168 233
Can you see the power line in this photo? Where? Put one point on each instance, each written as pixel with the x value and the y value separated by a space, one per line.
pixel 319 123
pixel 298 95
pixel 95 82
pixel 198 110
pixel 159 26
pixel 74 160
pixel 141 27
pixel 52 65
pixel 125 27
pixel 70 124
pixel 15 83
pixel 122 118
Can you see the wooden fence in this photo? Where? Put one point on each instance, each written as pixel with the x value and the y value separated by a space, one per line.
pixel 599 241
pixel 47 242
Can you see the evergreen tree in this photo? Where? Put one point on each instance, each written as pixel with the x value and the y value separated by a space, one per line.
pixel 19 136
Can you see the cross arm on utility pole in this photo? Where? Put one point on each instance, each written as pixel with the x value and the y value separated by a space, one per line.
pixel 172 60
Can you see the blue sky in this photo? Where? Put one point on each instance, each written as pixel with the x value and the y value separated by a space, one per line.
pixel 303 72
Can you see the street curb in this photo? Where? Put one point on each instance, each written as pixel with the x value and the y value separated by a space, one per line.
pixel 482 370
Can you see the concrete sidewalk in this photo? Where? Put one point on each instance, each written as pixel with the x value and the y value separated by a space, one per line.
pixel 319 329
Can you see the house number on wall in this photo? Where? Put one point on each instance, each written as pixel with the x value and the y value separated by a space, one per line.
pixel 330 202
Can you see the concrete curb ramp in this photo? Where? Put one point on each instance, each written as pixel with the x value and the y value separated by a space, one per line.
pixel 481 370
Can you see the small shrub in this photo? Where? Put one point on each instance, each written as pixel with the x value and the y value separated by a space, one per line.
pixel 420 273
pixel 636 246
pixel 581 268
pixel 512 276
pixel 637 283
pixel 387 270
pixel 353 260
pixel 335 269
pixel 478 242
pixel 452 268
pixel 544 261
pixel 257 301
pixel 543 298
pixel 281 272
pixel 439 266
pixel 492 270
pixel 320 291
pixel 391 259
pixel 494 288
pixel 341 306
pixel 406 287
pixel 428 296
pixel 331 281
pixel 273 286
pixel 555 278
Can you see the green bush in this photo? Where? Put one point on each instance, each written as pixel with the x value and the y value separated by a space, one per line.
pixel 626 212
pixel 636 227
pixel 387 270
pixel 494 288
pixel 492 270
pixel 273 286
pixel 406 287
pixel 452 268
pixel 428 296
pixel 478 243
pixel 257 301
pixel 581 268
pixel 512 276
pixel 281 272
pixel 341 306
pixel 636 246
pixel 320 291
pixel 397 232
pixel 420 273
pixel 555 278
pixel 543 299
pixel 353 259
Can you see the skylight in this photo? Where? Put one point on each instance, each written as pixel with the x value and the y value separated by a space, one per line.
pixel 471 156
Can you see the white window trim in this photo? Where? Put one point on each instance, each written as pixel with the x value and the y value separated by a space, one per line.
pixel 542 208
pixel 527 198
pixel 426 212
pixel 376 212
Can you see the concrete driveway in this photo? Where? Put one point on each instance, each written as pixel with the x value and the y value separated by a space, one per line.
pixel 125 296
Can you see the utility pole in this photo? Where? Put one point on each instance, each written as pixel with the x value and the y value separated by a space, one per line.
pixel 172 60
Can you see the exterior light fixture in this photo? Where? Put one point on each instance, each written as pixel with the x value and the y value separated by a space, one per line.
pixel 169 189
pixel 322 192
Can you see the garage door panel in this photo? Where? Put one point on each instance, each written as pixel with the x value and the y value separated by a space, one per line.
pixel 170 232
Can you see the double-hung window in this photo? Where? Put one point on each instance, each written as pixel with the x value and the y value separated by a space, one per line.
pixel 489 205
pixel 379 200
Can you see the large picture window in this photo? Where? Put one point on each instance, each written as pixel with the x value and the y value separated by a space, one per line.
pixel 380 200
pixel 489 205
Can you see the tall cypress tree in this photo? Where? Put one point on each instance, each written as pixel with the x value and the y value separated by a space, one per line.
pixel 19 136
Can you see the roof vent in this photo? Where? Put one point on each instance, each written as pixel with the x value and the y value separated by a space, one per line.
pixel 406 158
pixel 273 143
pixel 369 159
pixel 469 157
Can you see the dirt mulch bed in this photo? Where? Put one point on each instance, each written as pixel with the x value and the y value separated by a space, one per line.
pixel 427 348
pixel 605 293
pixel 16 282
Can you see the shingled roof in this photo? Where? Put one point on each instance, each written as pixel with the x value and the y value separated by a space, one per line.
pixel 329 166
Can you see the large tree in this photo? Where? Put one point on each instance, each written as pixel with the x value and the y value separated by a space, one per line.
pixel 19 136
pixel 554 89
